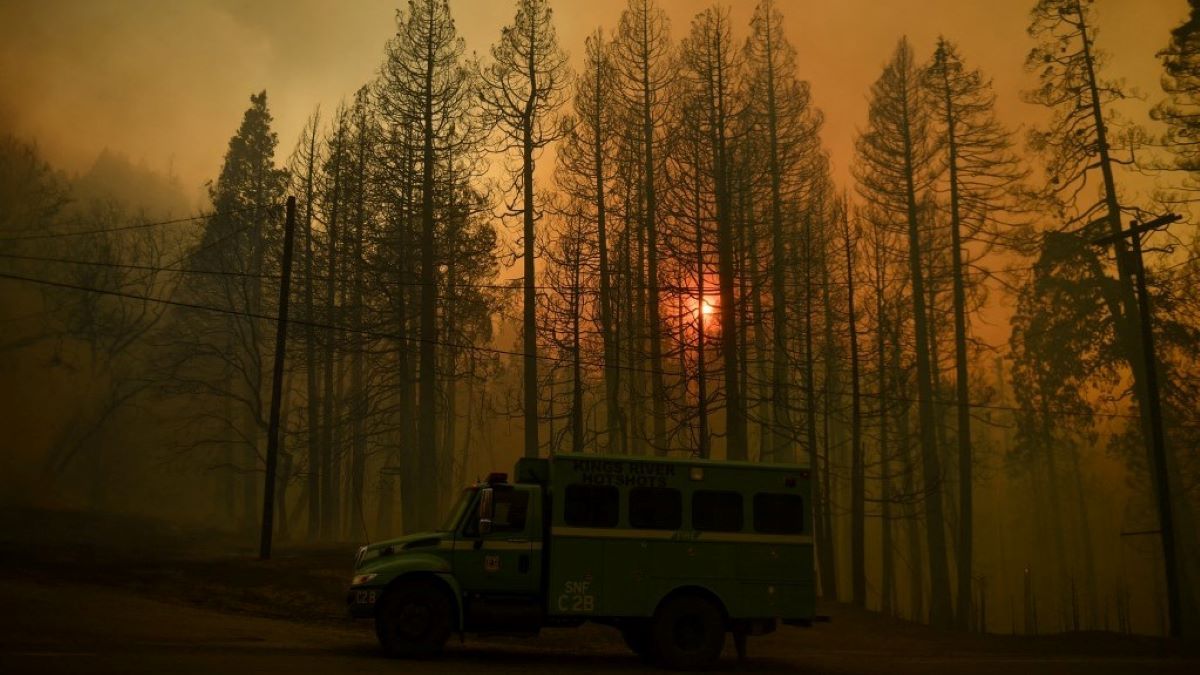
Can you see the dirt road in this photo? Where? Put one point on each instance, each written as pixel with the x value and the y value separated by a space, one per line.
pixel 82 593
pixel 48 627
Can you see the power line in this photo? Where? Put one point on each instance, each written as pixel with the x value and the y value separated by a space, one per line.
pixel 134 226
pixel 514 285
pixel 269 276
pixel 145 268
pixel 543 287
pixel 868 283
pixel 323 278
pixel 508 352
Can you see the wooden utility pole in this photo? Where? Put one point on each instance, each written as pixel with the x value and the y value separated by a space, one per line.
pixel 858 513
pixel 1158 449
pixel 285 284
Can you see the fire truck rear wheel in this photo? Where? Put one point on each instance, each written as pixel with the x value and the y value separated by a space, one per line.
pixel 413 620
pixel 688 633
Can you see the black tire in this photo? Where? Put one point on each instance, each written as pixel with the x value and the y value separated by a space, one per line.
pixel 688 633
pixel 413 619
pixel 638 638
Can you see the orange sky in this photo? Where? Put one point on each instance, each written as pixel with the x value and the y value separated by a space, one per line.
pixel 166 82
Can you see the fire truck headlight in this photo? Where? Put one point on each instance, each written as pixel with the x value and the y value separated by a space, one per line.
pixel 360 579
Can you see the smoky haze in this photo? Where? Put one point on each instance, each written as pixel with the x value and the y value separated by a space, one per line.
pixel 160 81
pixel 975 430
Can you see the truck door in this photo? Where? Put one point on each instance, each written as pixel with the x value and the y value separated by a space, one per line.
pixel 502 562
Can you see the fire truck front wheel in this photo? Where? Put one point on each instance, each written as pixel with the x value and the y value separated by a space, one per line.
pixel 688 632
pixel 413 619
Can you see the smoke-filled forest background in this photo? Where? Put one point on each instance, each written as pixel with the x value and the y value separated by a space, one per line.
pixel 658 236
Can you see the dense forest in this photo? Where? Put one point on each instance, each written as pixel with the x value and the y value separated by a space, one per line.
pixel 642 249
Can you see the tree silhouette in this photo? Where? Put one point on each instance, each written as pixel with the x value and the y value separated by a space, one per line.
pixel 980 174
pixel 522 88
pixel 426 83
pixel 893 154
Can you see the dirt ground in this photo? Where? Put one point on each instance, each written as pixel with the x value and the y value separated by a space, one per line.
pixel 86 593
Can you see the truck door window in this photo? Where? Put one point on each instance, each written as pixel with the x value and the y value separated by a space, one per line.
pixel 454 517
pixel 591 506
pixel 714 511
pixel 655 508
pixel 776 513
pixel 508 515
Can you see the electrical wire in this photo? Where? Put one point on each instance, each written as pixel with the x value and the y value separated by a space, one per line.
pixel 513 353
pixel 125 228
pixel 514 285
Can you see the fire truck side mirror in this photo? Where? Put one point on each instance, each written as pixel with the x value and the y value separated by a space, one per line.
pixel 486 508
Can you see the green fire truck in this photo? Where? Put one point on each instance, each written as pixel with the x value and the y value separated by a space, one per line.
pixel 674 553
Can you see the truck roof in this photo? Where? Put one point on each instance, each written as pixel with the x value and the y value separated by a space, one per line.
pixel 688 461
pixel 537 469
